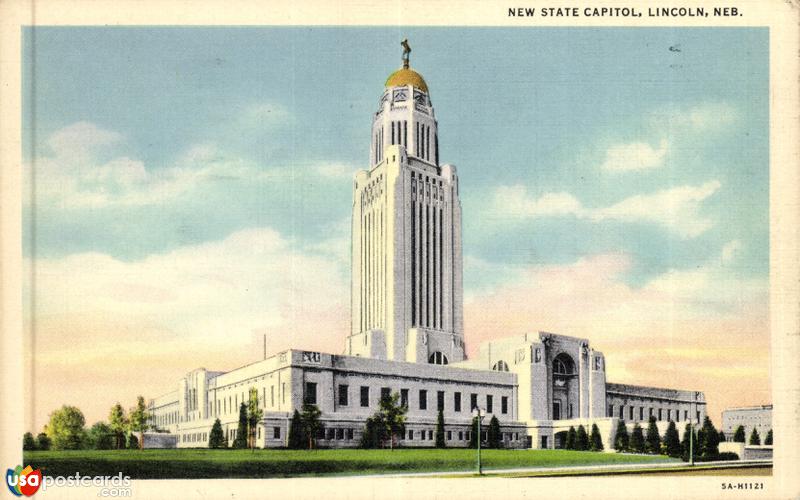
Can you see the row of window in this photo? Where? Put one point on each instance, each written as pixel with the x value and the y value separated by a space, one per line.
pixel 343 398
pixel 194 437
pixel 373 269
pixel 633 412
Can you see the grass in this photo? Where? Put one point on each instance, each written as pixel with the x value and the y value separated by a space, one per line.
pixel 204 463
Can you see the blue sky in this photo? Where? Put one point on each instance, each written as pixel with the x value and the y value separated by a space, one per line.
pixel 537 107
pixel 193 181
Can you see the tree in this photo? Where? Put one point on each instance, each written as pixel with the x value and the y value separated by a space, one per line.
pixel 118 423
pixel 240 441
pixel 652 440
pixel 138 419
pixel 473 436
pixel 311 423
pixel 768 439
pixel 572 436
pixel 494 433
pixel 216 438
pixel 755 439
pixel 688 432
pixel 133 442
pixel 254 415
pixel 595 441
pixel 637 439
pixel 672 442
pixel 296 432
pixel 66 428
pixel 392 416
pixel 709 443
pixel 722 437
pixel 581 439
pixel 100 437
pixel 28 443
pixel 621 439
pixel 440 441
pixel 372 437
pixel 43 442
pixel 738 436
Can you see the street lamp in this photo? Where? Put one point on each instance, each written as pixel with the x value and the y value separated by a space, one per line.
pixel 479 413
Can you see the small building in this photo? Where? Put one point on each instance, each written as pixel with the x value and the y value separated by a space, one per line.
pixel 750 417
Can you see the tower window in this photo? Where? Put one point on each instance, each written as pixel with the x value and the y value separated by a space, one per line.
pixel 488 403
pixel 423 399
pixel 457 401
pixel 440 400
pixel 504 404
pixel 473 401
pixel 311 393
pixel 343 400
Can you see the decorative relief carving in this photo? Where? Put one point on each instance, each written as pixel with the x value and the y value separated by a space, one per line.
pixel 546 339
pixel 400 95
pixel 519 356
pixel 312 357
pixel 585 348
pixel 538 355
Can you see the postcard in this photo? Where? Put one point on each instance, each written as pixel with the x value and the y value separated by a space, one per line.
pixel 400 250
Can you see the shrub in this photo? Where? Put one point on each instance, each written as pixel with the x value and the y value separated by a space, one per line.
pixel 595 441
pixel 28 443
pixel 755 439
pixel 738 436
pixel 727 455
pixel 582 439
pixel 621 439
pixel 637 439
pixel 652 440
pixel 572 436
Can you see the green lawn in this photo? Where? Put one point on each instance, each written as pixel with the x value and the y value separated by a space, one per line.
pixel 201 463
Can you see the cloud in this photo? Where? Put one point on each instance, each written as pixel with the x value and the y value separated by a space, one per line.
pixel 634 156
pixel 706 327
pixel 703 117
pixel 76 176
pixel 731 251
pixel 676 209
pixel 200 305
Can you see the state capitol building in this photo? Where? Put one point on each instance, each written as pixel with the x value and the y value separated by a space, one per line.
pixel 407 333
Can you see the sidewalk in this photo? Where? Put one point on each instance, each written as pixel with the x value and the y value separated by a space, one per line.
pixel 589 469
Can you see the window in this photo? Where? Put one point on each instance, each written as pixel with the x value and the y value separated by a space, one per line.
pixel 386 393
pixel 343 395
pixel 440 400
pixel 339 433
pixel 641 413
pixel 659 414
pixel 686 414
pixel 430 435
pixel 437 358
pixel 504 404
pixel 258 433
pixel 500 366
pixel 283 392
pixel 562 365
pixel 350 434
pixel 364 396
pixel 276 432
pixel 311 393
pixel 649 412
pixel 331 433
pixel 410 435
pixel 610 410
pixel 570 413
pixel 404 398
pixel 621 411
pixel 488 403
pixel 457 401
pixel 473 401
pixel 423 399
pixel 449 435
pixel 460 435
pixel 669 415
pixel 698 416
pixel 630 413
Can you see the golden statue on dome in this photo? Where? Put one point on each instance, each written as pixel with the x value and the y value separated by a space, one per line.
pixel 406 52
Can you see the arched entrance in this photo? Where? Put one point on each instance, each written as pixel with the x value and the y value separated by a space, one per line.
pixel 565 388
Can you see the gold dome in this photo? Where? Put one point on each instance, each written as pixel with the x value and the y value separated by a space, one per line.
pixel 406 76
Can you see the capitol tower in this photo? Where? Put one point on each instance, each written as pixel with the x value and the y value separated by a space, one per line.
pixel 406 248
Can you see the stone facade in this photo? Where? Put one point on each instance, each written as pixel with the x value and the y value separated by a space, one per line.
pixel 759 417
pixel 407 334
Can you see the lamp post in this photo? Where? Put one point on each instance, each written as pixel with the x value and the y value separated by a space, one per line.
pixel 479 413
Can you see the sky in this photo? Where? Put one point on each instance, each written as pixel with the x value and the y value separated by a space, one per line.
pixel 188 191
